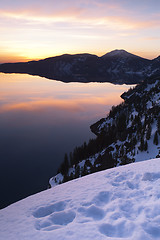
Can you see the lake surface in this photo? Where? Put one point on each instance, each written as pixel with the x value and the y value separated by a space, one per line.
pixel 40 121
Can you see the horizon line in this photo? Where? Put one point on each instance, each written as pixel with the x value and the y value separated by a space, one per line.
pixel 71 54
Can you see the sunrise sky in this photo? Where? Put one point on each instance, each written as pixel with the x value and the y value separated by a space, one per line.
pixel 35 29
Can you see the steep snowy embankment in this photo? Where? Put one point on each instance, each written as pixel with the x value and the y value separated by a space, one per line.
pixel 118 203
pixel 130 133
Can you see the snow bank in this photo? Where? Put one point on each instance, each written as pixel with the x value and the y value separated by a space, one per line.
pixel 119 203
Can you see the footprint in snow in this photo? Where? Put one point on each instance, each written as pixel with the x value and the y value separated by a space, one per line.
pixel 149 176
pixel 119 230
pixel 55 221
pixel 93 212
pixel 53 216
pixel 47 210
pixel 102 198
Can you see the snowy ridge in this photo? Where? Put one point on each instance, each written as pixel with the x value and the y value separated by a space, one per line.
pixel 130 133
pixel 118 203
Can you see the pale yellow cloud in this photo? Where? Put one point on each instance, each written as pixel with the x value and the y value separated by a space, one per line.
pixel 151 38
pixel 69 14
pixel 78 16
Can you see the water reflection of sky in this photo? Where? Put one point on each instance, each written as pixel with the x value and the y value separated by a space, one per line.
pixel 42 119
pixel 23 92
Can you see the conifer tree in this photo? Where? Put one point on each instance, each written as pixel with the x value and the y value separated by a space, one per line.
pixel 158 125
pixel 84 171
pixel 77 171
pixel 65 165
pixel 71 159
pixel 145 146
pixel 155 140
pixel 148 133
pixel 141 147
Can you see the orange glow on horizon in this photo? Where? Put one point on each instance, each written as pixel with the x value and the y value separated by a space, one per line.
pixel 10 57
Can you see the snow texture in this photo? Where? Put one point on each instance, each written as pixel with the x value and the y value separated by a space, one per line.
pixel 118 203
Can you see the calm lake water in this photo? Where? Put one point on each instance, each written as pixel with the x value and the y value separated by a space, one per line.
pixel 40 121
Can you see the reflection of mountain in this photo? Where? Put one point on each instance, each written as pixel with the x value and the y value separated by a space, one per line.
pixel 117 66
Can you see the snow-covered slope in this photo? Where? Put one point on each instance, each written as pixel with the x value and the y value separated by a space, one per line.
pixel 130 133
pixel 118 203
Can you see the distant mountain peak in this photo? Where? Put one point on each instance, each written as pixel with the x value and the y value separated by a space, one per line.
pixel 118 52
pixel 157 58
